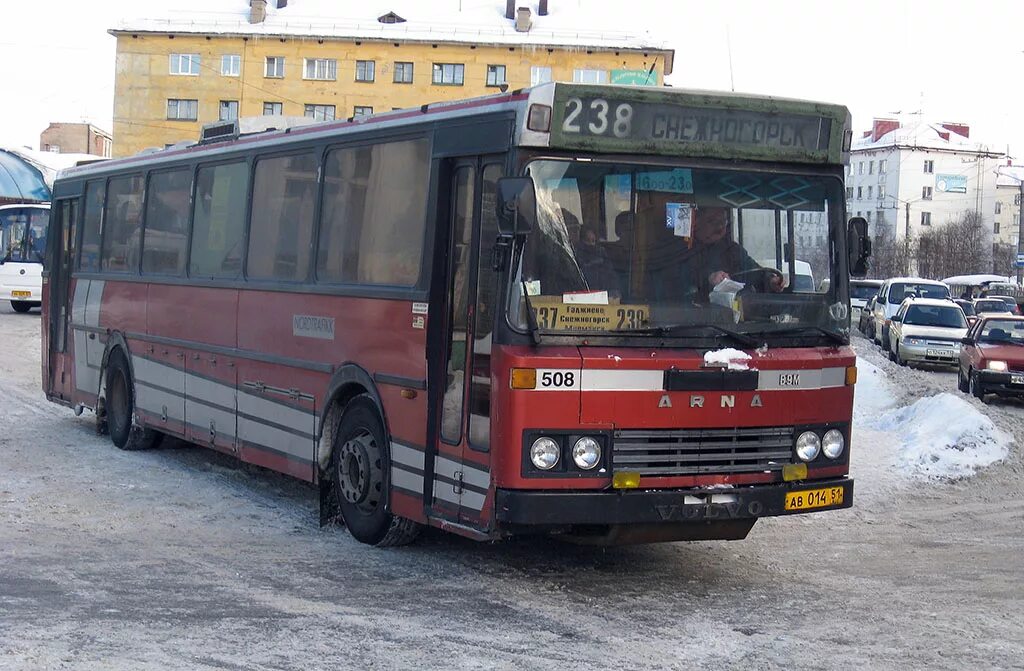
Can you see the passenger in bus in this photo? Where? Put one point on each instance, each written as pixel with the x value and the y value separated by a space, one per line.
pixel 594 264
pixel 715 257
pixel 620 252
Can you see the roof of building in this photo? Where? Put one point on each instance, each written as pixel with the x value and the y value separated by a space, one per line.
pixel 1009 175
pixel 596 23
pixel 28 174
pixel 922 135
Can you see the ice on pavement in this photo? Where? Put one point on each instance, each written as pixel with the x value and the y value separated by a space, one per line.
pixel 733 358
pixel 942 436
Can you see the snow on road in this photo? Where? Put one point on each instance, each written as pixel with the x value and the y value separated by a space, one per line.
pixel 180 558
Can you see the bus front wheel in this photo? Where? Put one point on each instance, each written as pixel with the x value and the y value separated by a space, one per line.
pixel 120 407
pixel 360 476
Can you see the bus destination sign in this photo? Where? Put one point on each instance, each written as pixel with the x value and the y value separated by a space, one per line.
pixel 608 123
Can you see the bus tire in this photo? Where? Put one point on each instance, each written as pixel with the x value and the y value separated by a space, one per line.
pixel 120 408
pixel 21 306
pixel 359 470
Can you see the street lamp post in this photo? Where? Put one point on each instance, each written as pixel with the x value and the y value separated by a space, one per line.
pixel 1020 229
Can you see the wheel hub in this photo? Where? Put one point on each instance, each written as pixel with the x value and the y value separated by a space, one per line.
pixel 354 469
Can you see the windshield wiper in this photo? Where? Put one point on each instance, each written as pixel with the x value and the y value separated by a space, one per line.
pixel 689 329
pixel 798 330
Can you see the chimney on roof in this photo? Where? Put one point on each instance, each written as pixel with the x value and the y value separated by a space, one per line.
pixel 880 127
pixel 523 22
pixel 542 10
pixel 281 4
pixel 510 9
pixel 257 11
pixel 961 129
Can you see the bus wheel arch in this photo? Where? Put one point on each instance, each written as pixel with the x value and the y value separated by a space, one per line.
pixel 115 405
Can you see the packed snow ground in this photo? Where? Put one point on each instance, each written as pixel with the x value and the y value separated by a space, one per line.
pixel 181 558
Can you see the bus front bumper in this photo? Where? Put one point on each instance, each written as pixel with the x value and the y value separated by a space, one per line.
pixel 549 508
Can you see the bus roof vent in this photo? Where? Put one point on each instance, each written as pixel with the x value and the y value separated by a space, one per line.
pixel 219 131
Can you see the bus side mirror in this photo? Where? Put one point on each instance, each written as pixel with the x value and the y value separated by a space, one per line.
pixel 858 246
pixel 517 206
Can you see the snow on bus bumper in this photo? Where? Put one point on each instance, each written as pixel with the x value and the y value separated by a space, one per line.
pixel 551 508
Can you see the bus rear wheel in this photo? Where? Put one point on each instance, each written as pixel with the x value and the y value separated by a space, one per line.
pixel 360 474
pixel 21 306
pixel 120 407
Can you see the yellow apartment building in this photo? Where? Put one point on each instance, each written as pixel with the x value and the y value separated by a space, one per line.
pixel 327 59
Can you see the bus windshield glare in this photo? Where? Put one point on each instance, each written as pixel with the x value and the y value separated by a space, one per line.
pixel 624 249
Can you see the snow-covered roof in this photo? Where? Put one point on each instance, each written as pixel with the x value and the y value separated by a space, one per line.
pixel 49 163
pixel 595 23
pixel 923 135
pixel 973 280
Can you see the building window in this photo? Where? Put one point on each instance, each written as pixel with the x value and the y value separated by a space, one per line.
pixel 228 110
pixel 929 167
pixel 403 73
pixel 926 193
pixel 860 192
pixel 362 110
pixel 849 193
pixel 585 76
pixel 881 167
pixel 999 207
pixel 867 216
pixel 320 68
pixel 860 168
pixel 870 189
pixel 449 74
pixel 880 217
pixel 995 227
pixel 364 71
pixel 926 218
pixel 184 64
pixel 182 110
pixel 881 191
pixel 871 167
pixel 495 75
pixel 274 67
pixel 320 112
pixel 539 75
pixel 273 108
pixel 231 65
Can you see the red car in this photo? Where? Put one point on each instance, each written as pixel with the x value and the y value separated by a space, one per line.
pixel 992 357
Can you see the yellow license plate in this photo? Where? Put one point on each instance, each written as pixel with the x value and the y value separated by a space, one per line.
pixel 21 294
pixel 814 498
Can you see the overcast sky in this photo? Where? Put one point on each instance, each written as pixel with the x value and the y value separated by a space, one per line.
pixel 951 61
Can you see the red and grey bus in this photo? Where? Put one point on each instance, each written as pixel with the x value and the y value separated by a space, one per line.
pixel 475 315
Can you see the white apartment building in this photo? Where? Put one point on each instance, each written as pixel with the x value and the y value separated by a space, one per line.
pixel 1006 228
pixel 905 179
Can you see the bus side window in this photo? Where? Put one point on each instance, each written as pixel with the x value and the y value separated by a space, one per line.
pixel 281 226
pixel 219 221
pixel 90 250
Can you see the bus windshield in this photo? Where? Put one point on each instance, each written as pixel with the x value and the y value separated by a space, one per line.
pixel 23 234
pixel 622 248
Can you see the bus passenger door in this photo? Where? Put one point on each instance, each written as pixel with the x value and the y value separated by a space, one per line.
pixel 461 468
pixel 63 231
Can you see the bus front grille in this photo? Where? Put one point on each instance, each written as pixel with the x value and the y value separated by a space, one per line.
pixel 669 452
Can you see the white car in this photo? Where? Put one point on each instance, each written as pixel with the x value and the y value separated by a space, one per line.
pixel 991 307
pixel 927 330
pixel 892 294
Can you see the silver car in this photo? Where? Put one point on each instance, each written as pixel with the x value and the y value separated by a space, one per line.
pixel 927 330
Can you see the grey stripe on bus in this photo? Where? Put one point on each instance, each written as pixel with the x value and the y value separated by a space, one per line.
pixel 264 448
pixel 407 481
pixel 261 433
pixel 403 454
pixel 78 302
pixel 83 377
pixel 155 401
pixel 232 352
pixel 93 302
pixel 201 416
pixel 471 474
pixel 467 499
pixel 465 485
pixel 279 413
pixel 147 370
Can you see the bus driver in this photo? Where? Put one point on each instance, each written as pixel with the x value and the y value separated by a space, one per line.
pixel 715 257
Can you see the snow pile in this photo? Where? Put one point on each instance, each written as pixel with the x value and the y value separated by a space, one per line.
pixel 729 357
pixel 943 436
pixel 873 393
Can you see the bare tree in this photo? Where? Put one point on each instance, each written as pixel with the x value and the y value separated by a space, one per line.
pixel 889 255
pixel 958 247
pixel 1003 256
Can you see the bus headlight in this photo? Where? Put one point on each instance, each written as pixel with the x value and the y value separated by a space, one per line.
pixel 808 445
pixel 586 453
pixel 833 443
pixel 544 453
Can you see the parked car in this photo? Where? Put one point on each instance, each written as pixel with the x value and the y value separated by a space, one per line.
pixel 927 330
pixel 865 323
pixel 861 291
pixel 984 307
pixel 992 357
pixel 968 308
pixel 1010 301
pixel 891 295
